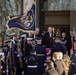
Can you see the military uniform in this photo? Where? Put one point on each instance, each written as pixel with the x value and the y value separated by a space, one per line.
pixel 8 56
pixel 32 65
pixel 28 48
pixel 23 43
pixel 3 67
pixel 2 64
pixel 41 53
pixel 19 64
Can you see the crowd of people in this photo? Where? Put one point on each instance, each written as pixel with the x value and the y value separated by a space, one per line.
pixel 44 54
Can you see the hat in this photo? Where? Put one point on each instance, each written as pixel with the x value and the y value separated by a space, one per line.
pixel 18 41
pixel 37 29
pixel 7 41
pixel 5 46
pixel 23 35
pixel 29 38
pixel 12 34
pixel 1 53
pixel 39 38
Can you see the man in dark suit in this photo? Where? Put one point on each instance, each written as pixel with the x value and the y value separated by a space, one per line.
pixel 58 47
pixel 64 39
pixel 70 41
pixel 48 38
pixel 37 33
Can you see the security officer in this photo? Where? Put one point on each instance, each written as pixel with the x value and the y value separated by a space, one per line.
pixel 41 53
pixel 32 63
pixel 3 64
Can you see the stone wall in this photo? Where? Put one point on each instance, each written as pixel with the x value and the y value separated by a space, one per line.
pixel 73 20
pixel 61 5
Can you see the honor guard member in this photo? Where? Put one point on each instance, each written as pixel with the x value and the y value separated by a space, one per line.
pixel 14 42
pixel 8 61
pixel 28 46
pixel 32 63
pixel 5 50
pixel 23 46
pixel 13 51
pixel 13 38
pixel 7 43
pixel 19 61
pixel 23 43
pixel 2 64
pixel 41 53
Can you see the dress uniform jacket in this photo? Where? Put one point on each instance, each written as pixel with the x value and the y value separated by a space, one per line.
pixel 3 64
pixel 32 65
pixel 19 68
pixel 23 45
pixel 41 53
pixel 27 49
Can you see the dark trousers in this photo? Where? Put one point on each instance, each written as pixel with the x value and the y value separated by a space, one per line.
pixel 69 52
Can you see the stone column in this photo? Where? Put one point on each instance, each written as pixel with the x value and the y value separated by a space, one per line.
pixel 73 19
pixel 73 14
pixel 37 13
